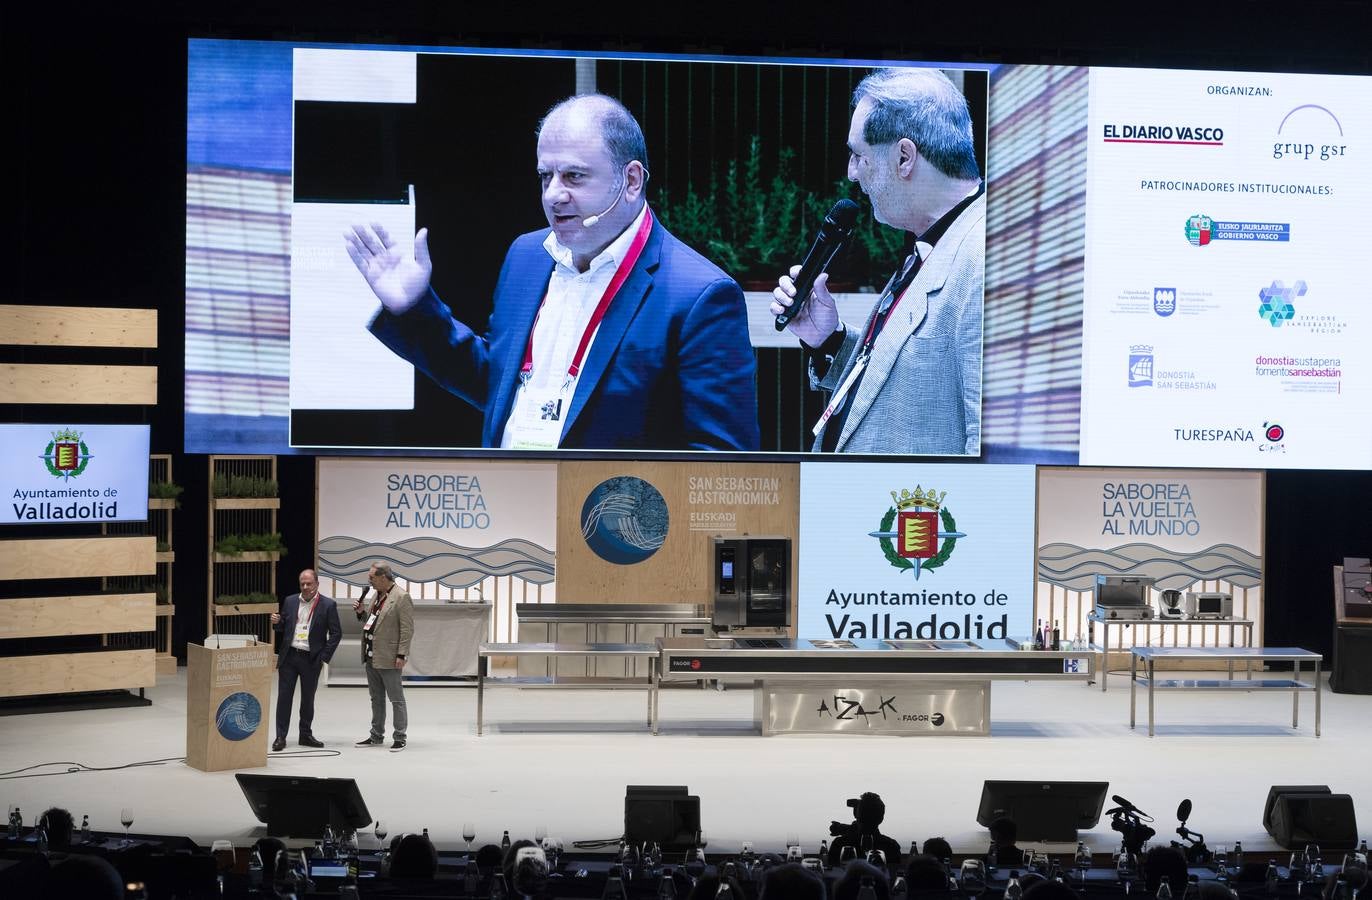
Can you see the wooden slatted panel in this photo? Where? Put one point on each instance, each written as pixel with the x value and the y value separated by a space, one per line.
pixel 86 385
pixel 31 617
pixel 65 673
pixel 90 557
pixel 77 326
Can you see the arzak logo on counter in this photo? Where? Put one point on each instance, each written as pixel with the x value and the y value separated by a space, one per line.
pixel 846 709
pixel 914 542
pixel 66 455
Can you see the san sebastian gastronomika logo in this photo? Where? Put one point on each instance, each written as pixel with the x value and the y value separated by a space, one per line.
pixel 66 455
pixel 914 544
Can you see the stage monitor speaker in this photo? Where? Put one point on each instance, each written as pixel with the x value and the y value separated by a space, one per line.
pixel 1043 810
pixel 298 807
pixel 1270 806
pixel 1323 819
pixel 666 815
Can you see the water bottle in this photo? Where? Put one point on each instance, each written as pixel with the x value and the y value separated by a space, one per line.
pixel 85 829
pixel 991 857
pixel 16 822
pixel 1013 891
pixel 470 878
pixel 255 869
pixel 504 842
pixel 666 887
pixel 824 852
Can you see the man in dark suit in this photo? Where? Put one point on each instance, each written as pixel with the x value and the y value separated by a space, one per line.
pixel 308 632
pixel 607 331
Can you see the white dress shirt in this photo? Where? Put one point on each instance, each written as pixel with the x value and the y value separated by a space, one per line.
pixel 567 309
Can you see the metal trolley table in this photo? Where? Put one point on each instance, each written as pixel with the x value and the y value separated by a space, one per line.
pixel 648 652
pixel 1247 655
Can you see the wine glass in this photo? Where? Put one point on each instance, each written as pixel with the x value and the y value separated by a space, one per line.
pixel 126 817
pixel 380 831
pixel 469 835
pixel 540 834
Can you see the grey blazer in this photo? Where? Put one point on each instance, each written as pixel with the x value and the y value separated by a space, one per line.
pixel 394 629
pixel 921 393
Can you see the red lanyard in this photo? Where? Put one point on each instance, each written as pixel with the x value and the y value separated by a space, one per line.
pixel 621 275
pixel 380 602
pixel 881 315
pixel 309 617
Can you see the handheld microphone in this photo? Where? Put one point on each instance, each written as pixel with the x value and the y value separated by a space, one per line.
pixel 833 234
pixel 365 591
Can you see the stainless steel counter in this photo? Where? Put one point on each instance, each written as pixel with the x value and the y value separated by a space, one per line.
pixel 601 623
pixel 866 686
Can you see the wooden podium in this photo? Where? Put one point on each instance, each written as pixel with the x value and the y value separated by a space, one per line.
pixel 228 706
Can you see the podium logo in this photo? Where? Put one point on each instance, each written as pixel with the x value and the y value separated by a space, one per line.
pixel 238 717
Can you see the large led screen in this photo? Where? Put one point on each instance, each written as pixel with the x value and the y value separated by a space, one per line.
pixel 1130 269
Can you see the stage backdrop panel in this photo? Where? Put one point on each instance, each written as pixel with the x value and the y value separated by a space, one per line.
pixel 1191 529
pixel 67 474
pixel 453 530
pixel 640 532
pixel 896 550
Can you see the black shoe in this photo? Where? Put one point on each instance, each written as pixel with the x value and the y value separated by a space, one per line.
pixel 310 741
pixel 278 745
pixel 370 741
pixel 398 745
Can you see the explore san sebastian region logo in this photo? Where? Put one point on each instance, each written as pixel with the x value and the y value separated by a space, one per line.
pixel 913 544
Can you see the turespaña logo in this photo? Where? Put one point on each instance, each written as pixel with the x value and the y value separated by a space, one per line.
pixel 1320 131
pixel 1164 301
pixel 1273 438
pixel 1215 435
pixel 914 544
pixel 1278 302
pixel 238 717
pixel 66 455
pixel 1141 365
pixel 624 520
pixel 1198 230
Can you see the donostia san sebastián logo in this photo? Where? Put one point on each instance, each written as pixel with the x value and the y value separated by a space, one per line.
pixel 66 455
pixel 914 544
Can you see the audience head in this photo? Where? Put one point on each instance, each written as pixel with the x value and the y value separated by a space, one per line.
pixel 414 857
pixel 708 886
pixel 1214 890
pixel 1168 862
pixel 87 877
pixel 489 857
pixel 1047 889
pixel 526 872
pixel 1004 831
pixel 269 849
pixel 57 822
pixel 870 812
pixel 850 885
pixel 938 848
pixel 924 872
pixel 791 881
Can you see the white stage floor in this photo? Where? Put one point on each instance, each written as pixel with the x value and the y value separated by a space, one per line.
pixel 562 758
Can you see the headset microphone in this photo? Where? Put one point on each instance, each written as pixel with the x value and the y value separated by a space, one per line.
pixel 591 220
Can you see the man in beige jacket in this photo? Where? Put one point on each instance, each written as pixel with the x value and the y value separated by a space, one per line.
pixel 388 625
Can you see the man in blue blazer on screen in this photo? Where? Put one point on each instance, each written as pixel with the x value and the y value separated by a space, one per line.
pixel 607 332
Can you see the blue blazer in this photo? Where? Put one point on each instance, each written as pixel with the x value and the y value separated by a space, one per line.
pixel 671 367
pixel 325 629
